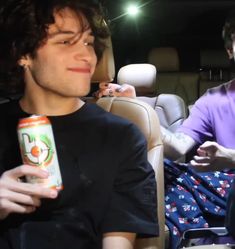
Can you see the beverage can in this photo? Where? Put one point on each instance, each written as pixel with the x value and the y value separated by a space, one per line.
pixel 37 147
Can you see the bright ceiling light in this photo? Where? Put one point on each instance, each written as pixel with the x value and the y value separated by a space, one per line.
pixel 132 10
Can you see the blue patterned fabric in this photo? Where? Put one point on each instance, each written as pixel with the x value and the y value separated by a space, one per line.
pixel 191 197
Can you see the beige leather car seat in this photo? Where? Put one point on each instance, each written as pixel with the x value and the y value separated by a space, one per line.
pixel 170 108
pixel 170 79
pixel 105 69
pixel 146 119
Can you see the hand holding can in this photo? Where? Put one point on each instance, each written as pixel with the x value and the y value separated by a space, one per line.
pixel 38 149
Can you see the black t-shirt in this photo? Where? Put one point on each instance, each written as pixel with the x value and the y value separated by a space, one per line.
pixel 108 184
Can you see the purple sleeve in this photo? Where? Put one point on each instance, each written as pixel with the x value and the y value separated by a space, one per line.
pixel 198 124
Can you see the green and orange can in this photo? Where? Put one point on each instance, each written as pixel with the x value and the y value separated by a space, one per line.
pixel 37 146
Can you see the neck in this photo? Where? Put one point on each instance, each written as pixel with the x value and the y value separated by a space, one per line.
pixel 49 104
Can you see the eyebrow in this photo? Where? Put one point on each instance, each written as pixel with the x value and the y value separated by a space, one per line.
pixel 67 32
pixel 60 32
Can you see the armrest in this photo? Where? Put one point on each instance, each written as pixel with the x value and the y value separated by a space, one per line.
pixel 204 232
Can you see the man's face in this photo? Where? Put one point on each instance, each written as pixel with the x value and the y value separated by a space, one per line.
pixel 65 62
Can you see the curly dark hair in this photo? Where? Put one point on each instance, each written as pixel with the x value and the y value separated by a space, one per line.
pixel 229 30
pixel 23 28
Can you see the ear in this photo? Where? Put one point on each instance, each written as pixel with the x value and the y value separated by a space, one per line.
pixel 230 53
pixel 24 61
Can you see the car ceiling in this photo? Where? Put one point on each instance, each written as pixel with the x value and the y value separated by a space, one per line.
pixel 188 25
pixel 169 17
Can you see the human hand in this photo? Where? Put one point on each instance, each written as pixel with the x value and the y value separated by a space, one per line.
pixel 22 197
pixel 212 156
pixel 115 90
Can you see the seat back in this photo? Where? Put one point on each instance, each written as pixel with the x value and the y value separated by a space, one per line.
pixel 170 79
pixel 105 69
pixel 214 69
pixel 170 109
pixel 146 119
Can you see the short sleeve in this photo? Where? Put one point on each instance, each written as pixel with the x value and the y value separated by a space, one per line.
pixel 133 203
pixel 198 124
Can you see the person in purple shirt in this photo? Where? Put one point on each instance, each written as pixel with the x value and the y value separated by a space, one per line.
pixel 212 117
pixel 211 124
pixel 196 193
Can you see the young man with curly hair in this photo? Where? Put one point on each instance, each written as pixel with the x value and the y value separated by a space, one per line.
pixel 50 49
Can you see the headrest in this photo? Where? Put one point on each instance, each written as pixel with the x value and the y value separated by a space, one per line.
pixel 165 59
pixel 138 112
pixel 141 76
pixel 105 69
pixel 213 58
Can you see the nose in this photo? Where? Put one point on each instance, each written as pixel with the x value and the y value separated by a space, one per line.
pixel 86 53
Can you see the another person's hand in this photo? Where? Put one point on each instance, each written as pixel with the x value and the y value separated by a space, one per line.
pixel 212 156
pixel 115 90
pixel 21 197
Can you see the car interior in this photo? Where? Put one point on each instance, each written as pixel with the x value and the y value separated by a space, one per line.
pixel 165 83
pixel 171 53
pixel 148 113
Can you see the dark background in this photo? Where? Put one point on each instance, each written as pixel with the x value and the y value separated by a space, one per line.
pixel 188 25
